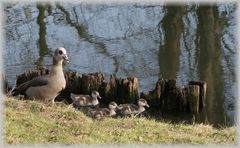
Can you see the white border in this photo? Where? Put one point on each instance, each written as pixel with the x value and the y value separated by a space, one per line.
pixel 146 2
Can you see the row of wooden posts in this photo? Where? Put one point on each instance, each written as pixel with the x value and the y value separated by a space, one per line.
pixel 166 95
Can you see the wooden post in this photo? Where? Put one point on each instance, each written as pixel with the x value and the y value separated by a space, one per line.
pixel 127 89
pixel 109 90
pixel 155 96
pixel 170 100
pixel 6 86
pixel 182 98
pixel 202 93
pixel 134 92
pixel 193 98
pixel 73 81
pixel 90 82
pixel 113 86
pixel 158 89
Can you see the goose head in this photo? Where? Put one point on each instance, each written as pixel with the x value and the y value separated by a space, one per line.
pixel 60 55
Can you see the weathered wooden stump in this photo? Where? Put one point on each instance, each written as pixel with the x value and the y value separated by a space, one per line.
pixel 172 98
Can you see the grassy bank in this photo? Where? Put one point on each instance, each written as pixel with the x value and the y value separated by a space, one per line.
pixel 31 122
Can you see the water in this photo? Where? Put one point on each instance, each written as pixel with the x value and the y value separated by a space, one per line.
pixel 186 42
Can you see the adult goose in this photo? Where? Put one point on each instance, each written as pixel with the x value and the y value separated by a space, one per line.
pixel 46 87
pixel 132 109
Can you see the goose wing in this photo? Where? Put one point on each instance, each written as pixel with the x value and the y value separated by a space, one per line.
pixel 81 100
pixel 101 112
pixel 127 109
pixel 38 81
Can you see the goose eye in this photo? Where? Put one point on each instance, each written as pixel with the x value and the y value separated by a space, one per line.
pixel 60 52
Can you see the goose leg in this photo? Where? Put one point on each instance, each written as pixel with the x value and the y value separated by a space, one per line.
pixel 70 106
pixel 53 100
pixel 137 114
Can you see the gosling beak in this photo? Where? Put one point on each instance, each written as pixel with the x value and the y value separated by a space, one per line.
pixel 65 57
pixel 119 107
pixel 147 105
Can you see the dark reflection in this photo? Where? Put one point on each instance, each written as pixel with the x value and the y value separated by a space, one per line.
pixel 209 67
pixel 172 25
pixel 43 49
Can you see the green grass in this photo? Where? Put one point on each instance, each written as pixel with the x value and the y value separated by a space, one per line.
pixel 32 122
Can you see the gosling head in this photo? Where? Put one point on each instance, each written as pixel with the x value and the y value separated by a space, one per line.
pixel 95 94
pixel 142 102
pixel 112 105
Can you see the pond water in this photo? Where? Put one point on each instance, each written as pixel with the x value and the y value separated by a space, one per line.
pixel 186 42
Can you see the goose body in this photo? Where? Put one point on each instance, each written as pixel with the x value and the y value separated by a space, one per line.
pixel 132 109
pixel 46 87
pixel 85 100
pixel 104 112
